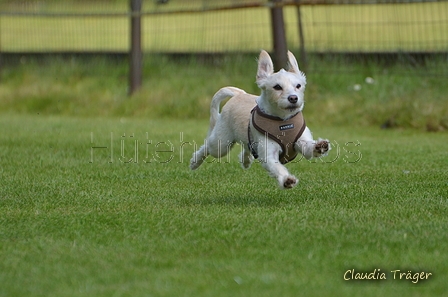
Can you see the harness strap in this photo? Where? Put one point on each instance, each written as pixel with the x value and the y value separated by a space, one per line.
pixel 250 143
pixel 284 132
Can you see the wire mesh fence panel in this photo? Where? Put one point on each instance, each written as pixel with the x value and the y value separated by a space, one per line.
pixel 217 31
pixel 415 27
pixel 61 34
pixel 224 26
pixel 59 26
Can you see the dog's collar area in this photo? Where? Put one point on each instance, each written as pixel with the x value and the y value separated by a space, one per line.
pixel 284 132
pixel 271 117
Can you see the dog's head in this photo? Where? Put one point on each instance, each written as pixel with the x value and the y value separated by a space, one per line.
pixel 282 91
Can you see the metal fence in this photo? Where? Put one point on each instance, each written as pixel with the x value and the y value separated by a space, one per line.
pixel 191 26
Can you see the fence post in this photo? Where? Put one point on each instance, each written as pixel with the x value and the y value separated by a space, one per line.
pixel 1 50
pixel 303 59
pixel 279 36
pixel 135 56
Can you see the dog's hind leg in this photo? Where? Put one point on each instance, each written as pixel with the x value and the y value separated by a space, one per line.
pixel 220 138
pixel 217 150
pixel 220 142
pixel 198 157
pixel 216 146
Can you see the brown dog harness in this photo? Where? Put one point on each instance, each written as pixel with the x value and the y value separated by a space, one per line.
pixel 284 132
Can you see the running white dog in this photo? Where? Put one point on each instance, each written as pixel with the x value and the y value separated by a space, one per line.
pixel 270 126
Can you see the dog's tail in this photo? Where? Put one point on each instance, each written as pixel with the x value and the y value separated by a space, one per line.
pixel 220 96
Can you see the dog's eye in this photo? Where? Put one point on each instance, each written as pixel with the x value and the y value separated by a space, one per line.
pixel 278 87
pixel 298 86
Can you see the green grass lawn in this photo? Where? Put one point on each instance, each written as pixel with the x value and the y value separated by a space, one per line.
pixel 77 221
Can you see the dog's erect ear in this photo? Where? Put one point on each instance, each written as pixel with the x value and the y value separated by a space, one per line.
pixel 293 66
pixel 265 66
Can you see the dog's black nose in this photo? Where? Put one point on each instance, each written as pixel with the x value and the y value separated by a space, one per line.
pixel 292 99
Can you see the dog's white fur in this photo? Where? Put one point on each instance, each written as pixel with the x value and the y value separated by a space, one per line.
pixel 231 125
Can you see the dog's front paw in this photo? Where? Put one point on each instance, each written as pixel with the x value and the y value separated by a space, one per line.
pixel 321 148
pixel 289 182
